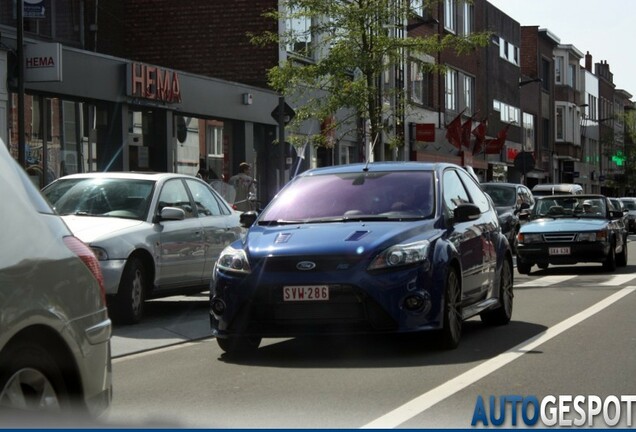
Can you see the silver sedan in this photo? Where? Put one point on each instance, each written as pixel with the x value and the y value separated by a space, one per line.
pixel 155 234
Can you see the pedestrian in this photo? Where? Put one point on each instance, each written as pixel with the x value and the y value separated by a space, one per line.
pixel 245 187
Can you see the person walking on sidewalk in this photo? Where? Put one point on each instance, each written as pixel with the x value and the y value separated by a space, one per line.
pixel 245 186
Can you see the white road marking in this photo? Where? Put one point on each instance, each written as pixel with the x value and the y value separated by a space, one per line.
pixel 618 280
pixel 421 403
pixel 545 281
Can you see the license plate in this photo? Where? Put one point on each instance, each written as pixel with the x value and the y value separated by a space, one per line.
pixel 306 293
pixel 559 251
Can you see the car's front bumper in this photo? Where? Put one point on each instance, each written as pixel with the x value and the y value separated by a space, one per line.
pixel 373 304
pixel 112 271
pixel 579 252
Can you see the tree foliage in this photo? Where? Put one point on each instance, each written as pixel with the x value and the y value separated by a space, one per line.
pixel 354 43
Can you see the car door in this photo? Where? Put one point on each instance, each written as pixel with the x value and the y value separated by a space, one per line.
pixel 465 236
pixel 217 224
pixel 180 250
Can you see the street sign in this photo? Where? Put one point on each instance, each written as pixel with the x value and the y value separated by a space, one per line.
pixel 288 113
pixel 524 162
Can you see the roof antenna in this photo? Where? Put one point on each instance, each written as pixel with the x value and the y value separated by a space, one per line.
pixel 366 165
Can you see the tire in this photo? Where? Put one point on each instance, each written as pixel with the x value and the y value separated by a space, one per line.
pixel 523 268
pixel 621 259
pixel 610 262
pixel 31 379
pixel 452 313
pixel 238 344
pixel 503 313
pixel 128 306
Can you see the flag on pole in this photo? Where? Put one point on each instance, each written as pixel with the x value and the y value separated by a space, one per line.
pixel 467 127
pixel 454 131
pixel 494 146
pixel 480 136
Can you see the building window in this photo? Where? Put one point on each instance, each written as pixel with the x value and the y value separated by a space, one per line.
pixel 545 74
pixel 299 33
pixel 465 18
pixel 560 123
pixel 451 90
pixel 558 69
pixel 572 75
pixel 215 141
pixel 507 113
pixel 528 132
pixel 508 51
pixel 449 15
pixel 468 84
pixel 417 6
pixel 418 85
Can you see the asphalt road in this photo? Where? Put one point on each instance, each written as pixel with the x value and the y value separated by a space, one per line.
pixel 572 333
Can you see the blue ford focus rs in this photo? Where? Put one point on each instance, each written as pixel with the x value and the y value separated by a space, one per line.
pixel 389 247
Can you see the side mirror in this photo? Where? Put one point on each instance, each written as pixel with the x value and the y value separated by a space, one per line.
pixel 615 214
pixel 170 213
pixel 524 214
pixel 466 212
pixel 247 218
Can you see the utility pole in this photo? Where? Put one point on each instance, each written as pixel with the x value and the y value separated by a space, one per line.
pixel 20 55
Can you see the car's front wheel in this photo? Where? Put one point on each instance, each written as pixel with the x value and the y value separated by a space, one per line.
pixel 239 344
pixel 128 306
pixel 452 322
pixel 503 313
pixel 610 262
pixel 523 267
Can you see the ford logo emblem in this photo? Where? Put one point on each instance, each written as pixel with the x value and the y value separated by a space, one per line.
pixel 306 265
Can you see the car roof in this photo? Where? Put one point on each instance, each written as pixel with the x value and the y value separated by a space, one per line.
pixel 578 196
pixel 155 176
pixel 381 167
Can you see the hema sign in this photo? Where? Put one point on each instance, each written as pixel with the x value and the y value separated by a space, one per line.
pixel 43 62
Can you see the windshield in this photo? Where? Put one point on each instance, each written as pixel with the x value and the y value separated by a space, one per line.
pixel 502 196
pixel 355 196
pixel 570 206
pixel 629 205
pixel 124 198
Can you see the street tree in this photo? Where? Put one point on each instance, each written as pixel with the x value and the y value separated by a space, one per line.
pixel 341 56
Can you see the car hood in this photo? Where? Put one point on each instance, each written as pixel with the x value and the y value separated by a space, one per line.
pixel 563 224
pixel 90 228
pixel 335 238
pixel 501 210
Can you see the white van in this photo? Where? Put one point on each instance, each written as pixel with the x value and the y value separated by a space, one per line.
pixel 557 189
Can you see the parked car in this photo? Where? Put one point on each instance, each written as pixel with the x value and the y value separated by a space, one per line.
pixel 155 234
pixel 375 248
pixel 630 206
pixel 618 205
pixel 510 199
pixel 54 326
pixel 569 229
pixel 557 189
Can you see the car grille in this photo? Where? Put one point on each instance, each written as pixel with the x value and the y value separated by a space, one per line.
pixel 331 263
pixel 347 310
pixel 559 237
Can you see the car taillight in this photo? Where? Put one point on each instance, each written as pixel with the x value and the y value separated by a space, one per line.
pixel 87 256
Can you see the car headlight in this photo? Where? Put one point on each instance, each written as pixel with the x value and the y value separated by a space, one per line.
pixel 401 255
pixel 593 236
pixel 529 238
pixel 233 260
pixel 100 253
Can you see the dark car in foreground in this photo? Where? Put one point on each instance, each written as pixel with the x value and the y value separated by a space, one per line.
pixel 55 362
pixel 510 200
pixel 155 234
pixel 376 248
pixel 570 229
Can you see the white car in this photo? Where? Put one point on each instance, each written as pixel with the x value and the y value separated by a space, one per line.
pixel 155 234
pixel 54 326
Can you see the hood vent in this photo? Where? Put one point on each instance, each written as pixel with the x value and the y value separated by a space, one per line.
pixel 357 235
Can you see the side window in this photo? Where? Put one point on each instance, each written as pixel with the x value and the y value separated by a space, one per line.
pixel 204 199
pixel 174 194
pixel 479 197
pixel 453 193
